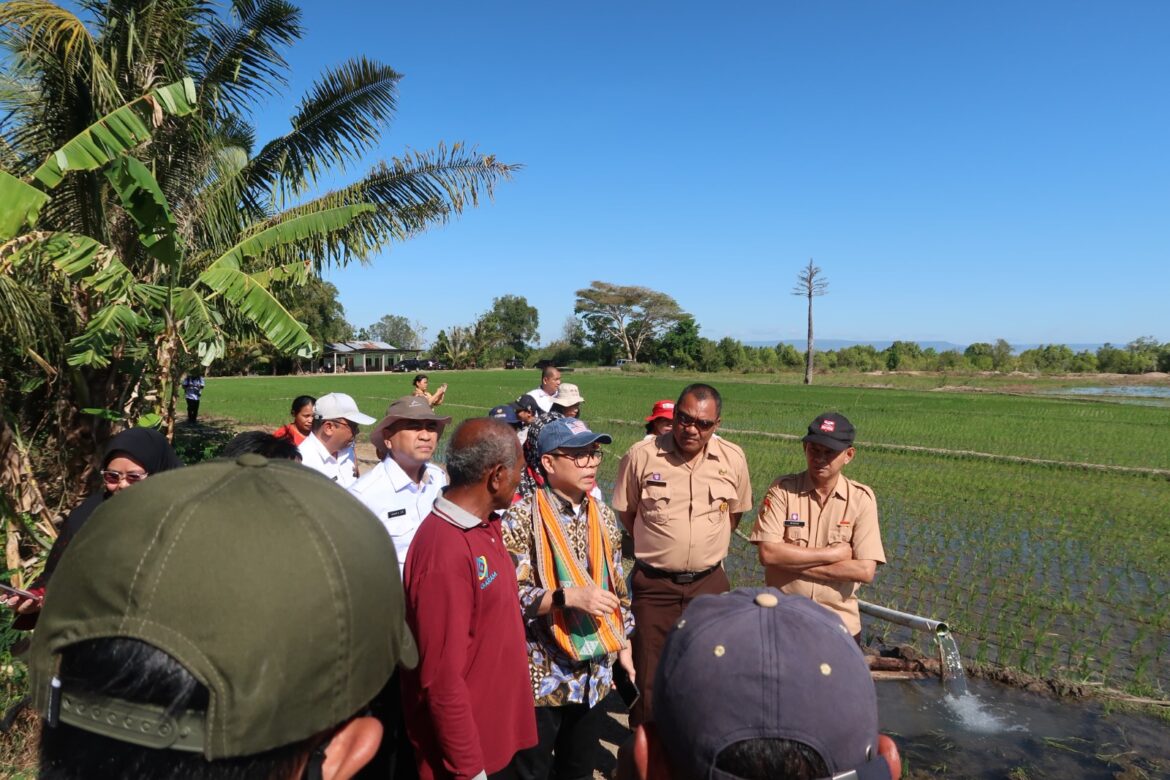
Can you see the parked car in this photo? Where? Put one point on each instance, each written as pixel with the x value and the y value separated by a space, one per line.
pixel 514 362
pixel 410 364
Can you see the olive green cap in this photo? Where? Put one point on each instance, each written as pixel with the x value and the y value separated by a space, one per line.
pixel 272 586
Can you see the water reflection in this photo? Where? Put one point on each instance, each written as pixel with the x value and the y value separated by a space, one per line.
pixel 1128 391
pixel 994 731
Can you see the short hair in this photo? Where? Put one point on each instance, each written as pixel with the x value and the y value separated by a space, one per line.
pixel 262 443
pixel 763 759
pixel 418 378
pixel 468 462
pixel 702 392
pixel 300 402
pixel 134 671
pixel 548 372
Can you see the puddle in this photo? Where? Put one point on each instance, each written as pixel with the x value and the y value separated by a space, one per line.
pixel 1116 391
pixel 995 731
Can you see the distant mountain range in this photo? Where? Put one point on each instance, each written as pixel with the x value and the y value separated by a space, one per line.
pixel 826 345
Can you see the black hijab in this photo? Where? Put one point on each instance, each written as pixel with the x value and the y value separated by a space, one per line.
pixel 147 447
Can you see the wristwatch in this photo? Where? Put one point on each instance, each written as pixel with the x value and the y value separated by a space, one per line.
pixel 559 598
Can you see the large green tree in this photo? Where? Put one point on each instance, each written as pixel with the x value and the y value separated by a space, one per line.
pixel 516 323
pixel 395 330
pixel 167 230
pixel 629 315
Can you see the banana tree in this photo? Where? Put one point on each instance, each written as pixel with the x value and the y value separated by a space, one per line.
pixel 154 321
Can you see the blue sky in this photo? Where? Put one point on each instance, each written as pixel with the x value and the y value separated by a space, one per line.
pixel 960 171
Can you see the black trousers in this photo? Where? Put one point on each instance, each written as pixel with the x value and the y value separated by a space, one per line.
pixel 567 741
pixel 192 410
pixel 395 757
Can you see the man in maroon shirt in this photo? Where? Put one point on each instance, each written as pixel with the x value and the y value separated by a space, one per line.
pixel 468 704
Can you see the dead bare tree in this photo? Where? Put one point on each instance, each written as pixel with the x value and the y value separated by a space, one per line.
pixel 810 283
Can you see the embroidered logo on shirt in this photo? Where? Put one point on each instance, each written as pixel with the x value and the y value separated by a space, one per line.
pixel 481 572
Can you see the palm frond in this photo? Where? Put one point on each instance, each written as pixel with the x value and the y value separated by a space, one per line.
pixel 109 328
pixel 242 61
pixel 341 118
pixel 410 193
pixel 39 30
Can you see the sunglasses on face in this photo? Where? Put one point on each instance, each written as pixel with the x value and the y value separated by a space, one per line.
pixel 684 420
pixel 419 425
pixel 111 477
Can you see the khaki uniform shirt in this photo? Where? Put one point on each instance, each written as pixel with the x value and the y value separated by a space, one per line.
pixel 791 514
pixel 683 521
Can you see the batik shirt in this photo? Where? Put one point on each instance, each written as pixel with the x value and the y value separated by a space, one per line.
pixel 558 680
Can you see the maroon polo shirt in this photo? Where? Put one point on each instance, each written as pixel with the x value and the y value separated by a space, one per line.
pixel 468 705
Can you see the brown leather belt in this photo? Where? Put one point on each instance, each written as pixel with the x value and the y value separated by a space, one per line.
pixel 677 577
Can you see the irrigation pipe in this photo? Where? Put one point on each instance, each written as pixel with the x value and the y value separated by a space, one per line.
pixel 916 622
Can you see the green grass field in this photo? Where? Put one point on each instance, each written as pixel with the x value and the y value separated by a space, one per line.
pixel 1053 569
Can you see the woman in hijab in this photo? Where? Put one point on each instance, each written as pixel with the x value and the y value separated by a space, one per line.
pixel 532 479
pixel 130 457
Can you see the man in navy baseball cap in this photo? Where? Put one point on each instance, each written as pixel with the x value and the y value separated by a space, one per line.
pixel 757 685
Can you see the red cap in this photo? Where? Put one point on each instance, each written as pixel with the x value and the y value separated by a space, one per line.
pixel 662 409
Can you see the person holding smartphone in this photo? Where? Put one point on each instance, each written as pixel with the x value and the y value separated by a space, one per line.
pixel 130 457
pixel 420 389
pixel 566 546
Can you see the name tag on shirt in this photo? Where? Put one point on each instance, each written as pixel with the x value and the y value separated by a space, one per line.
pixel 656 482
pixel 794 521
pixel 396 513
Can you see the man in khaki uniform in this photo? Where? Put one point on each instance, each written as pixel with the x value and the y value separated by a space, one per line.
pixel 817 531
pixel 680 495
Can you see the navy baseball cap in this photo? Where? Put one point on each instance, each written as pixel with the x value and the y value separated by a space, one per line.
pixel 567 432
pixel 831 430
pixel 505 413
pixel 528 404
pixel 757 664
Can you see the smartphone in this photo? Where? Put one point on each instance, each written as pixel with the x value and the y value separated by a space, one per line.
pixel 626 687
pixel 8 590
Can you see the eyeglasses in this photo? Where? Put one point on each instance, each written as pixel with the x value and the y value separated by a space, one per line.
pixel 583 459
pixel 112 477
pixel 684 420
pixel 353 427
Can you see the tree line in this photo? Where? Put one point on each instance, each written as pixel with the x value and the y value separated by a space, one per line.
pixel 648 327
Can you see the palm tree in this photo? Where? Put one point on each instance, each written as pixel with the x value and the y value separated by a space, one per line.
pixel 196 243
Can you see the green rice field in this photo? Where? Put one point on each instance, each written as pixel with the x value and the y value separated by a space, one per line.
pixel 1037 527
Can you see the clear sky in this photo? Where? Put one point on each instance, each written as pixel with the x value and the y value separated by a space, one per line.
pixel 960 171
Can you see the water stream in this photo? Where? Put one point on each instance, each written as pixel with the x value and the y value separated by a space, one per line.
pixel 996 731
pixel 954 678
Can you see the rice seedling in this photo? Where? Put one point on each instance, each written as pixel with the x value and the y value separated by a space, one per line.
pixel 1037 524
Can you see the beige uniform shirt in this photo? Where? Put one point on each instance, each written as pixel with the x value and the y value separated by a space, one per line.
pixel 791 514
pixel 683 521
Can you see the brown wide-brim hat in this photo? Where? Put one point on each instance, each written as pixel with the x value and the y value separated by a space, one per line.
pixel 408 407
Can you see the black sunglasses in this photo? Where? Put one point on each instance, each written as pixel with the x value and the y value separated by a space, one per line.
pixel 686 421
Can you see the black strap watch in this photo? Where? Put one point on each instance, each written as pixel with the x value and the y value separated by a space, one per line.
pixel 559 598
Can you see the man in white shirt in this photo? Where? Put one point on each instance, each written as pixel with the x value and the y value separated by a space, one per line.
pixel 401 489
pixel 329 448
pixel 550 382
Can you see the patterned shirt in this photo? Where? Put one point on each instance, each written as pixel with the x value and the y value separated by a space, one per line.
pixel 558 680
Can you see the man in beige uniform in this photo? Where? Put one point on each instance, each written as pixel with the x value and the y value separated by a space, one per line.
pixel 680 495
pixel 817 531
